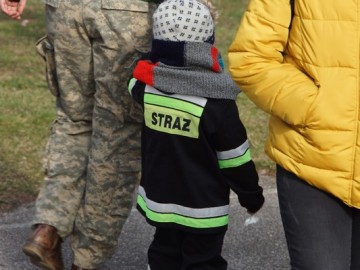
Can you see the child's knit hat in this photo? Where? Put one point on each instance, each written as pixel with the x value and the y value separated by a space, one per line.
pixel 183 20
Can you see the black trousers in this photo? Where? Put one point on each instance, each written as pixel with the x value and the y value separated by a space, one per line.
pixel 322 232
pixel 173 249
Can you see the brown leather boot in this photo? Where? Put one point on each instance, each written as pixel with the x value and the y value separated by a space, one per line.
pixel 74 267
pixel 44 248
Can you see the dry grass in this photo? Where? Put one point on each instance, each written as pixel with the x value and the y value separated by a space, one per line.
pixel 26 107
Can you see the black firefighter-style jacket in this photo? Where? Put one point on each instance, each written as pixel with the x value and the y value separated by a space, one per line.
pixel 194 150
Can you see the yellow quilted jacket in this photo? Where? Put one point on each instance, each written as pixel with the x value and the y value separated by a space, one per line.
pixel 307 79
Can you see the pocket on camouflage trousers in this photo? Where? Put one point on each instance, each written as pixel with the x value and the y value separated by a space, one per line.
pixel 46 50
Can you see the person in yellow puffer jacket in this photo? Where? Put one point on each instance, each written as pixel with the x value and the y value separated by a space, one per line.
pixel 301 64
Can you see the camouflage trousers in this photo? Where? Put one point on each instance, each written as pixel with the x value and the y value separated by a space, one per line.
pixel 92 159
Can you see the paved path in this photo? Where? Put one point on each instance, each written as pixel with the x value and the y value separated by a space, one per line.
pixel 259 246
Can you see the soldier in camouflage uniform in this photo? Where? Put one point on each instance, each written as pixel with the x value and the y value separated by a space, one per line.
pixel 92 159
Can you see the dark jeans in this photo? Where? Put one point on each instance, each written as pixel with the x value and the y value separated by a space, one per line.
pixel 173 249
pixel 322 233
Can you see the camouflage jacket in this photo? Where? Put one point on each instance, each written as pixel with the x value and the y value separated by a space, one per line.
pixel 131 5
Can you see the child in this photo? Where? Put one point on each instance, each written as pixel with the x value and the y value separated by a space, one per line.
pixel 194 146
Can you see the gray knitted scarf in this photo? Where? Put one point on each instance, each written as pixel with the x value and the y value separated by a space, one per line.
pixel 188 68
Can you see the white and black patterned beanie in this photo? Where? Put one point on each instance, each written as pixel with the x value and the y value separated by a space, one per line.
pixel 183 20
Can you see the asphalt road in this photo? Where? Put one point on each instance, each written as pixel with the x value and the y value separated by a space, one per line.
pixel 256 246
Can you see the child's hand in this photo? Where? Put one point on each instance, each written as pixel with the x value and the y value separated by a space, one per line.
pixel 254 209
